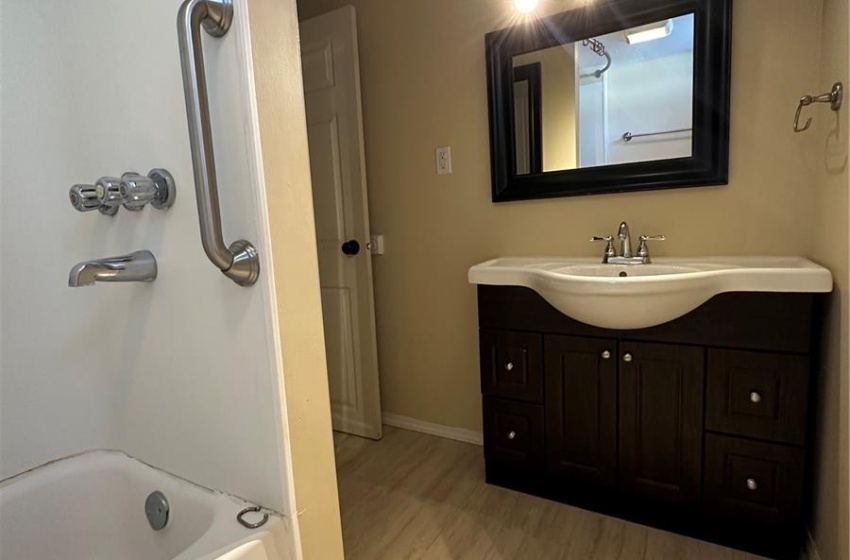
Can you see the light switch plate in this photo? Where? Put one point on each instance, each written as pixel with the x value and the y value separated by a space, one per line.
pixel 444 160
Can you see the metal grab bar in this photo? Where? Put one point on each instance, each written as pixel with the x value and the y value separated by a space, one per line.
pixel 240 261
pixel 627 136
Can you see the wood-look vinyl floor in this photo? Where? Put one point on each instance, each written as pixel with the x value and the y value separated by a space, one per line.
pixel 412 495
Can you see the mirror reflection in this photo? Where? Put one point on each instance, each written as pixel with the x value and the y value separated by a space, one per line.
pixel 624 97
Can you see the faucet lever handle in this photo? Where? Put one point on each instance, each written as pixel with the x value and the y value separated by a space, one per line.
pixel 157 188
pixel 643 250
pixel 609 246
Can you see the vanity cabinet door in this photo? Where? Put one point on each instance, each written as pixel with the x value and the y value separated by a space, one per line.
pixel 753 481
pixel 757 395
pixel 513 434
pixel 511 365
pixel 581 409
pixel 661 421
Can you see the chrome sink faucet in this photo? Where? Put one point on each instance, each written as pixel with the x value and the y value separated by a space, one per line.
pixel 624 238
pixel 135 267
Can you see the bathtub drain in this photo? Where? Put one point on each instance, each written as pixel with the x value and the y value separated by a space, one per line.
pixel 156 510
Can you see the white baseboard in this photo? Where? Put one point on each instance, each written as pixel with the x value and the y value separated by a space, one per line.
pixel 811 548
pixel 448 432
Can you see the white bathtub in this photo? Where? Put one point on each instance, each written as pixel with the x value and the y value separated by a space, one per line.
pixel 91 507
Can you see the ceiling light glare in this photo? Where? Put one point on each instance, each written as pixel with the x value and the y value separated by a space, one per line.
pixel 526 6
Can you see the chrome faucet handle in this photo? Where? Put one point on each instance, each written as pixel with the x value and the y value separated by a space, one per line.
pixel 609 246
pixel 157 189
pixel 84 199
pixel 643 250
pixel 108 190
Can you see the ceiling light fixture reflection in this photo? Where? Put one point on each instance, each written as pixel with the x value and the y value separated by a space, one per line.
pixel 526 6
pixel 644 33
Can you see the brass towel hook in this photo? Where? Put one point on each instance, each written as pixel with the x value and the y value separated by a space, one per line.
pixel 835 97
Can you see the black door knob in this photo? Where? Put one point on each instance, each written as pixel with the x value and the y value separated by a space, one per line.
pixel 351 247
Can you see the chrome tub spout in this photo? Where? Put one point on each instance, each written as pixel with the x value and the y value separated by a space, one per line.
pixel 135 267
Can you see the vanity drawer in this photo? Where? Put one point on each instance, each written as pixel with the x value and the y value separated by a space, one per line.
pixel 757 395
pixel 753 481
pixel 512 365
pixel 513 433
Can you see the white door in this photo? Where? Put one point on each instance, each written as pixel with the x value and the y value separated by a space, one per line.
pixel 335 127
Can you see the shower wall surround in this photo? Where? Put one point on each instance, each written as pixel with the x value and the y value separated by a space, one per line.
pixel 180 373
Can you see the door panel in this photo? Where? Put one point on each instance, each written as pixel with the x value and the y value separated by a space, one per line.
pixel 330 221
pixel 340 348
pixel 581 408
pixel 337 162
pixel 661 421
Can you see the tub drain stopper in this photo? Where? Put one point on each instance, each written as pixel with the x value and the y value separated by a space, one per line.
pixel 156 510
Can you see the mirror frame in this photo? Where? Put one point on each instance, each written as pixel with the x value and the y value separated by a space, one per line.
pixel 709 162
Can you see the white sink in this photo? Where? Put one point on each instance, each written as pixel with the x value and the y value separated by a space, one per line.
pixel 644 295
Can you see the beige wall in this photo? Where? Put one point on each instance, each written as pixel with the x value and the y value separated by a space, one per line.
pixel 423 81
pixel 304 389
pixel 558 93
pixel 830 245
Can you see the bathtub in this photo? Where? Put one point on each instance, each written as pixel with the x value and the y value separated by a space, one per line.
pixel 92 507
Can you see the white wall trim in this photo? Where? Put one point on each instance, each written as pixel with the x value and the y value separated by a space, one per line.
pixel 242 29
pixel 448 432
pixel 811 552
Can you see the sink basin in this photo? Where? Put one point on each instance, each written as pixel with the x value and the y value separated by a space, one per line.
pixel 623 271
pixel 644 295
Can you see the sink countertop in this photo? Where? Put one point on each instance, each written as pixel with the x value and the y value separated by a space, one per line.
pixel 644 295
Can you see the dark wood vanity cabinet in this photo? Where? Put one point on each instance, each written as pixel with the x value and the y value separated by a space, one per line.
pixel 698 426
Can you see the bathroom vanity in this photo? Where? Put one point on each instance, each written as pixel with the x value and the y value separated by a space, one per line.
pixel 700 425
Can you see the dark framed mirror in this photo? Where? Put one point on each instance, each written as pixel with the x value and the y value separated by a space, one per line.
pixel 621 95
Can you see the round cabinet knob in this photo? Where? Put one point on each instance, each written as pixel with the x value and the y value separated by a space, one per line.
pixel 351 247
pixel 627 357
pixel 755 397
pixel 511 435
pixel 752 484
pixel 606 355
pixel 509 366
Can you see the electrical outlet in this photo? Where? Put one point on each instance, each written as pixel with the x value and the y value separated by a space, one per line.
pixel 444 160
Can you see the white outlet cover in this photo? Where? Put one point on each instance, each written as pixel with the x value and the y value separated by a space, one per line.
pixel 444 160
